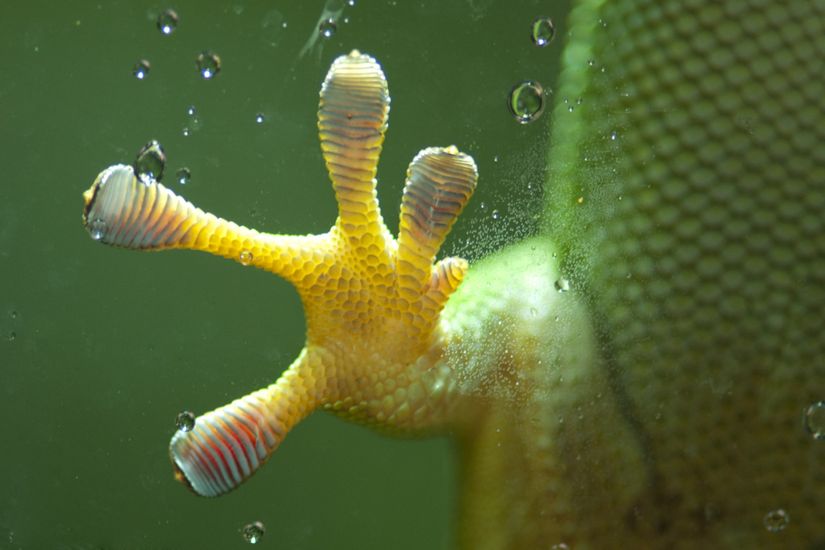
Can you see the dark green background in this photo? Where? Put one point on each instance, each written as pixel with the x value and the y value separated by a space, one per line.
pixel 101 348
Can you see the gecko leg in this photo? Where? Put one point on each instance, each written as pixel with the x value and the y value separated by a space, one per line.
pixel 375 347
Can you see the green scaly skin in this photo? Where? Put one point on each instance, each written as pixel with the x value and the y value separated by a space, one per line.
pixel 694 243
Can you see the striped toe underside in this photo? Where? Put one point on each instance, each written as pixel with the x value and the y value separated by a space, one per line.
pixel 122 211
pixel 225 447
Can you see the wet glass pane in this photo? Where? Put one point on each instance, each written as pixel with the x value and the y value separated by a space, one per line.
pixel 654 374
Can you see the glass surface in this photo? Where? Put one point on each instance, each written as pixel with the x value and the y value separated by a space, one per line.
pixel 101 349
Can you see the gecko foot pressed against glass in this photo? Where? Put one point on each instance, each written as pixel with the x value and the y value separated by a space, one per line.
pixel 374 345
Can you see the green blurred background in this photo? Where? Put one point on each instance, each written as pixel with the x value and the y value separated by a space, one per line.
pixel 101 348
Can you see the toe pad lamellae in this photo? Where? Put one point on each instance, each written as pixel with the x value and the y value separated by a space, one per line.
pixel 440 181
pixel 352 119
pixel 122 211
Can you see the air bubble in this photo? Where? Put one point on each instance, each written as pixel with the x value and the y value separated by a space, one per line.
pixel 191 111
pixel 526 101
pixel 542 31
pixel 253 532
pixel 185 421
pixel 150 162
pixel 495 215
pixel 814 420
pixel 183 176
pixel 613 136
pixel 776 520
pixel 12 336
pixel 245 257
pixel 562 284
pixel 259 118
pixel 209 65
pixel 167 22
pixel 97 229
pixel 560 546
pixel 141 69
pixel 351 3
pixel 327 28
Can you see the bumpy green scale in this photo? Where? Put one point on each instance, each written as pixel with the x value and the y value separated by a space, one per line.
pixel 699 243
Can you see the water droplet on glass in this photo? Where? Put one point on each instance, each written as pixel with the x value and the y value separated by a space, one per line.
pixel 542 31
pixel 97 229
pixel 141 69
pixel 185 421
pixel 483 206
pixel 259 118
pixel 776 520
pixel 209 64
pixel 190 111
pixel 351 3
pixel 167 22
pixel 814 420
pixel 562 284
pixel 526 101
pixel 495 215
pixel 253 532
pixel 327 28
pixel 150 162
pixel 613 136
pixel 185 131
pixel 245 257
pixel 183 175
